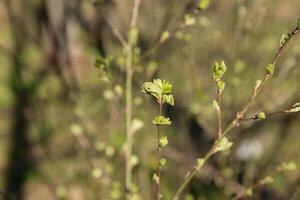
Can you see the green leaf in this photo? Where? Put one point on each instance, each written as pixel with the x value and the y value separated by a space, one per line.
pixel 219 70
pixel 168 98
pixel 220 86
pixel 203 4
pixel 223 145
pixel 289 166
pixel 157 88
pixel 161 120
pixel 163 141
pixel 270 69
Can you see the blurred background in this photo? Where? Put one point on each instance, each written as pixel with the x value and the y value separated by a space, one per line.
pixel 62 120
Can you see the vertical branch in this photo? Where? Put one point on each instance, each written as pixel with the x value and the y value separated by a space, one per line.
pixel 158 154
pixel 129 63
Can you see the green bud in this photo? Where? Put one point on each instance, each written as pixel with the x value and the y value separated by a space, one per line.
pixel 164 36
pixel 270 69
pixel 219 70
pixel 189 20
pixel 163 141
pixel 161 120
pixel 257 84
pixel 249 192
pixel 200 163
pixel 267 180
pixel 203 4
pixel 221 86
pixel 223 145
pixel 298 24
pixel 155 178
pixel 162 162
pixel 260 115
pixel 285 38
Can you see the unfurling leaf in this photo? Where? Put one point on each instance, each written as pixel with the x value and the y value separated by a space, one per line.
pixel 223 145
pixel 157 88
pixel 168 98
pixel 163 141
pixel 270 69
pixel 161 120
pixel 219 70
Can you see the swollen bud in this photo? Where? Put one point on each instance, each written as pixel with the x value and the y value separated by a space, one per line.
pixel 221 86
pixel 270 69
pixel 260 115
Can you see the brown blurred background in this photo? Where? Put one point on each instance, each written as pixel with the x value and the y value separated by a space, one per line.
pixel 62 121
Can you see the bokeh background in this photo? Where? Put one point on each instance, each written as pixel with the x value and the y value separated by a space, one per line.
pixel 62 120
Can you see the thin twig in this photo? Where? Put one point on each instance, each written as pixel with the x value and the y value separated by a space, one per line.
pixel 235 122
pixel 158 195
pixel 129 133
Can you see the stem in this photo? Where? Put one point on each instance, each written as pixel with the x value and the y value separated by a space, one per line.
pixel 235 122
pixel 158 155
pixel 129 134
pixel 219 111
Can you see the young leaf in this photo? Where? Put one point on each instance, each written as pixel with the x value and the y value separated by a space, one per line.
pixel 219 70
pixel 168 98
pixel 161 120
pixel 155 178
pixel 163 141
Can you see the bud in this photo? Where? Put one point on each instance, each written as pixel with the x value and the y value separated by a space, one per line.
pixel 164 36
pixel 220 86
pixel 270 69
pixel 260 115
